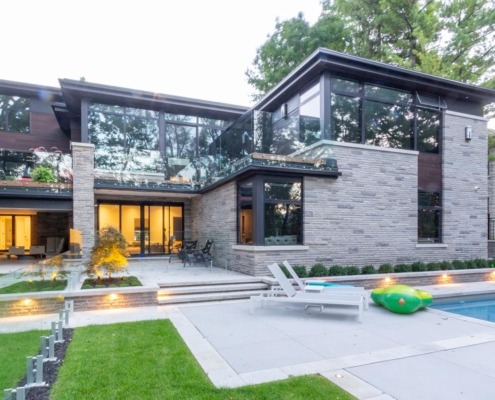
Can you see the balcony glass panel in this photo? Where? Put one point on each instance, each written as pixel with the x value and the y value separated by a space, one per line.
pixel 181 148
pixel 309 121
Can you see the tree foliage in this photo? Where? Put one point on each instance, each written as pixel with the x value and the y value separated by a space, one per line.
pixel 449 38
pixel 109 253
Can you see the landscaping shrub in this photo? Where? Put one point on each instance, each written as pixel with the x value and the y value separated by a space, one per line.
pixel 470 264
pixel 300 270
pixel 284 270
pixel 481 263
pixel 318 270
pixel 368 269
pixel 336 270
pixel 418 266
pixel 352 270
pixel 402 268
pixel 385 268
pixel 458 264
pixel 433 266
pixel 445 265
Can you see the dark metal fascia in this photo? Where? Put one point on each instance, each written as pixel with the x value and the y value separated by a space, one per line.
pixel 256 169
pixel 46 93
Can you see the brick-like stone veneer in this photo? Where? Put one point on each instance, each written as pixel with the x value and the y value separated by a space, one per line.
pixel 91 299
pixel 214 217
pixel 83 194
pixel 369 214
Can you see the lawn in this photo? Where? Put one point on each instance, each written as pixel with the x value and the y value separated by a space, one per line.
pixel 34 286
pixel 143 360
pixel 15 347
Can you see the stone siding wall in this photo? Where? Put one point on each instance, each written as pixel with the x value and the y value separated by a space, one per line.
pixel 83 194
pixel 49 303
pixel 214 217
pixel 465 191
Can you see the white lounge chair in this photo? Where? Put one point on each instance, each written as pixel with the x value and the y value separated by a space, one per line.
pixel 319 286
pixel 320 300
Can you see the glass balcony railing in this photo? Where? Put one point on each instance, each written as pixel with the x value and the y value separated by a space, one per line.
pixel 35 172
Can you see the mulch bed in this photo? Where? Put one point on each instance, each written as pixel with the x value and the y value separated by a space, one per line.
pixel 120 281
pixel 50 370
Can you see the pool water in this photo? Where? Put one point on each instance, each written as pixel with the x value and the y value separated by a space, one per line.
pixel 480 308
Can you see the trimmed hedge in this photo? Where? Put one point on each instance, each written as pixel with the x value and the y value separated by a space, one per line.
pixel 319 270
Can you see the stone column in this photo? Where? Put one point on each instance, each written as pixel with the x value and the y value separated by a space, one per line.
pixel 83 194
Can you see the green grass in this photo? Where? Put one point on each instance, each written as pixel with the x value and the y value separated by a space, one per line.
pixel 34 286
pixel 148 360
pixel 14 348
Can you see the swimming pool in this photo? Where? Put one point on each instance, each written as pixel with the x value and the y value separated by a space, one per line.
pixel 469 306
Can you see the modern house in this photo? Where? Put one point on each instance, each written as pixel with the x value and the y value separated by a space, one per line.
pixel 346 161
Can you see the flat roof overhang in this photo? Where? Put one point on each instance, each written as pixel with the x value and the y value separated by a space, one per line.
pixel 46 93
pixel 353 67
pixel 73 91
pixel 273 170
pixel 37 204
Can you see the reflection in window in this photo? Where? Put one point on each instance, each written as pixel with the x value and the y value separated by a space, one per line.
pixel 345 86
pixel 427 130
pixel 125 139
pixel 388 125
pixel 14 114
pixel 279 220
pixel 180 151
pixel 345 118
pixel 387 94
pixel 283 212
pixel 309 120
pixel 429 217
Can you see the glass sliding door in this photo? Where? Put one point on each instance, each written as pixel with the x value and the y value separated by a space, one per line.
pixel 15 230
pixel 148 229
pixel 6 232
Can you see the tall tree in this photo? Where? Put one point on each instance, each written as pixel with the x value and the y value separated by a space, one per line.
pixel 449 38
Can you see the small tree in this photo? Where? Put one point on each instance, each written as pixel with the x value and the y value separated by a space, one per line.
pixel 108 254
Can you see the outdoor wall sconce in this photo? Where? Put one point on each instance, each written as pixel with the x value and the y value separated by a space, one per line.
pixel 468 133
pixel 284 110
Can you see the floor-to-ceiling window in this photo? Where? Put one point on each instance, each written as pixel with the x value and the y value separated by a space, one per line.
pixel 15 230
pixel 147 228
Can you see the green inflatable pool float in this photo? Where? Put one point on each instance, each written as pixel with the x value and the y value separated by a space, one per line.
pixel 401 299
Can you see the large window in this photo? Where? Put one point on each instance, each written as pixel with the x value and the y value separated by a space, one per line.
pixel 270 211
pixel 385 117
pixel 132 140
pixel 14 114
pixel 148 229
pixel 429 217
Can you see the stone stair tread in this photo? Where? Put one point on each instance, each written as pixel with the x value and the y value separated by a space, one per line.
pixel 210 282
pixel 204 297
pixel 212 288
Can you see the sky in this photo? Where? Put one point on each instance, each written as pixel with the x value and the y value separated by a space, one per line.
pixel 191 48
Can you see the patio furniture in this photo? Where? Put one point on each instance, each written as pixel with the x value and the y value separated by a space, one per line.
pixel 321 285
pixel 37 251
pixel 199 256
pixel 54 245
pixel 17 251
pixel 321 299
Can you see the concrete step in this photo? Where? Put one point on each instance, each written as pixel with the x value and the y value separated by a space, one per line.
pixel 204 297
pixel 211 282
pixel 208 288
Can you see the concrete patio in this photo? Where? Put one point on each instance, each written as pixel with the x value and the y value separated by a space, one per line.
pixel 426 355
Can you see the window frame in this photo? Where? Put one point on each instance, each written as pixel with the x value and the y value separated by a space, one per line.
pixel 258 203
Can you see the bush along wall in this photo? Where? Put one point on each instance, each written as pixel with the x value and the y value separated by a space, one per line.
pixel 370 276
